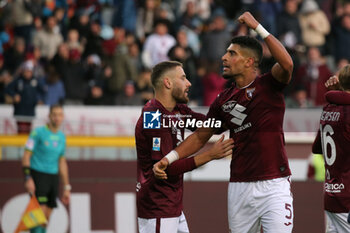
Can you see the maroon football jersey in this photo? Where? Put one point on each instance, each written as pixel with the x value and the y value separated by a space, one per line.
pixel 160 198
pixel 254 116
pixel 333 141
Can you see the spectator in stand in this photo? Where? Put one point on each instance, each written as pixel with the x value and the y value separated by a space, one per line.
pixel 73 40
pixel 143 86
pixel 24 93
pixel 35 56
pixel 215 40
pixel 123 69
pixel 202 7
pixel 21 19
pixel 157 45
pixel 299 99
pixel 5 79
pixel 135 56
pixel 341 38
pixel 314 24
pixel 75 84
pixel 15 55
pixel 213 83
pixel 269 11
pixel 61 60
pixel 81 22
pixel 48 39
pixel 96 81
pixel 125 15
pixel 61 19
pixel 288 27
pixel 145 19
pixel 129 97
pixel 190 18
pixel 54 88
pixel 94 40
pixel 313 74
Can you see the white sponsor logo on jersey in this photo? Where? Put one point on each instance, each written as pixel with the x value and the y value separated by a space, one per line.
pixel 236 110
pixel 333 188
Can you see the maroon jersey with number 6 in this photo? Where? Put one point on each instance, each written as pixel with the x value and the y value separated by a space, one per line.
pixel 333 141
pixel 254 115
pixel 161 198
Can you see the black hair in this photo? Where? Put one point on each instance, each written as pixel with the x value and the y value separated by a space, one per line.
pixel 250 43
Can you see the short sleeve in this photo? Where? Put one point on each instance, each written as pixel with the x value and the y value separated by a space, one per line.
pixel 63 151
pixel 31 141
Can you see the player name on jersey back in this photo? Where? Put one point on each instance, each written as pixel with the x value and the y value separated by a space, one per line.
pixel 330 116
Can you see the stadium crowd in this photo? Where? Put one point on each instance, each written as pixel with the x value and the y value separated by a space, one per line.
pixel 100 52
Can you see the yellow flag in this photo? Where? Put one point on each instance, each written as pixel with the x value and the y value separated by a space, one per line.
pixel 33 216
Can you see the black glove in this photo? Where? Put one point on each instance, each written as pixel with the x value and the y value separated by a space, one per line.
pixel 349 217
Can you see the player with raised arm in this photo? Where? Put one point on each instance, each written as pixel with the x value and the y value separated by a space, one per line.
pixel 253 110
pixel 160 129
pixel 332 141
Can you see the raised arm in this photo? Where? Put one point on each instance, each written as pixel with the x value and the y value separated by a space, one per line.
pixel 282 70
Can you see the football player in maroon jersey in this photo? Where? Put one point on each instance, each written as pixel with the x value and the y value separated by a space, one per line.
pixel 332 140
pixel 253 110
pixel 159 130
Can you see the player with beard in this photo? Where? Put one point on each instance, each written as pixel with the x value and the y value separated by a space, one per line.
pixel 253 110
pixel 159 202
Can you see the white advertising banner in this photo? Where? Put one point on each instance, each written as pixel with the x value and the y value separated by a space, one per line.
pixel 120 121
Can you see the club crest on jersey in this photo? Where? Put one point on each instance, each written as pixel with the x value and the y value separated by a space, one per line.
pixel 228 106
pixel 156 144
pixel 151 120
pixel 249 92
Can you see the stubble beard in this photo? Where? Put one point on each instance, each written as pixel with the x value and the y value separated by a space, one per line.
pixel 179 96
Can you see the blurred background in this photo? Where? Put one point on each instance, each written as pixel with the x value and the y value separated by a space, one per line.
pixel 95 57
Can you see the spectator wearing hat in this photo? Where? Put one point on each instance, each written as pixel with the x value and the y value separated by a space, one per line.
pixel 24 92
